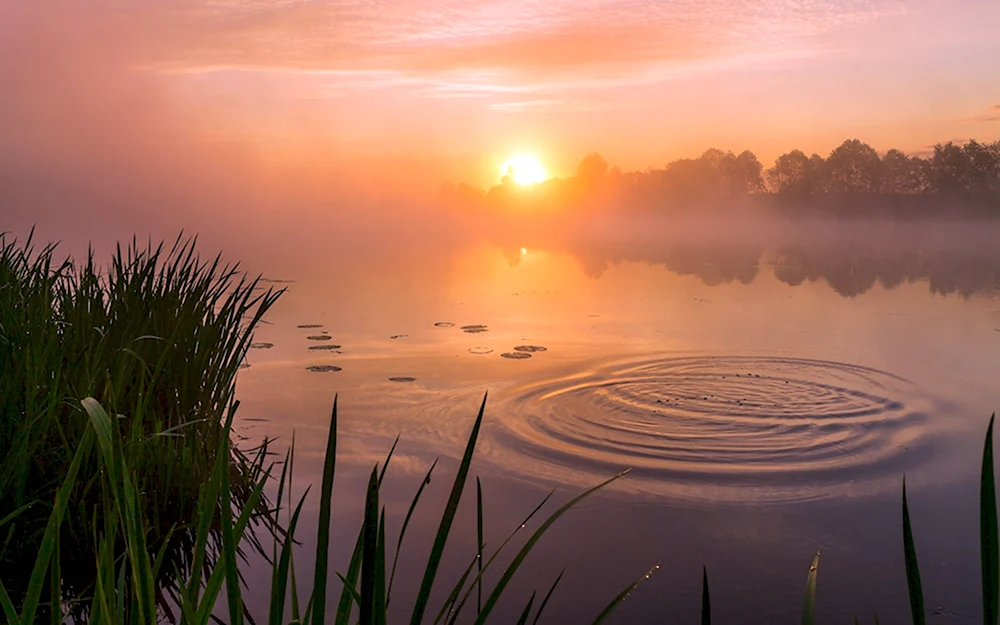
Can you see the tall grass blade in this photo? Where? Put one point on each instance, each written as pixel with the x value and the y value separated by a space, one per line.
pixel 606 612
pixel 523 619
pixel 809 604
pixel 988 531
pixel 388 458
pixel 479 546
pixel 55 585
pixel 706 603
pixel 448 608
pixel 545 601
pixel 380 581
pixel 529 545
pixel 318 601
pixel 369 551
pixel 437 550
pixel 346 603
pixel 354 593
pixel 229 545
pixel 279 580
pixel 496 553
pixel 402 531
pixel 913 584
pixel 9 610
pixel 45 552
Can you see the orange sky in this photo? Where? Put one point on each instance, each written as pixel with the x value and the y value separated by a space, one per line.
pixel 195 99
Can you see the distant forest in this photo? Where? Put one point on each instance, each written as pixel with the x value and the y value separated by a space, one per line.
pixel 853 178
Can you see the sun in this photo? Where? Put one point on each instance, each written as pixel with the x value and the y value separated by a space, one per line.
pixel 524 169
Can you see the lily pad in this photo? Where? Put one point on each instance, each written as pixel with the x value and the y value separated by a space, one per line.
pixel 323 368
pixel 445 324
pixel 328 347
pixel 398 336
pixel 402 378
pixel 319 337
pixel 309 326
pixel 474 329
pixel 261 345
pixel 531 349
pixel 480 350
pixel 515 355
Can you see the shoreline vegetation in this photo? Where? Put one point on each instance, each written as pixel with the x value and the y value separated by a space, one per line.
pixel 158 334
pixel 131 505
pixel 854 180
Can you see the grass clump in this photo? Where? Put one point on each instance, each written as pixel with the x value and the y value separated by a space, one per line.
pixel 124 587
pixel 157 334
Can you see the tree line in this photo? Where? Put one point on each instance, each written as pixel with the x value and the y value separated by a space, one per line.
pixel 854 176
pixel 969 172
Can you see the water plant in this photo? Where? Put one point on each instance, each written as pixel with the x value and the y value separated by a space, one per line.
pixel 988 541
pixel 124 587
pixel 158 335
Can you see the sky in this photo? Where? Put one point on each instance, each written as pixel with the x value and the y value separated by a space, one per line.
pixel 268 104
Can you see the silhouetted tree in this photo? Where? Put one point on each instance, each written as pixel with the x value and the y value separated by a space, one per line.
pixel 854 167
pixel 795 174
pixel 950 169
pixel 747 173
pixel 819 175
pixel 593 167
pixel 971 171
pixel 905 175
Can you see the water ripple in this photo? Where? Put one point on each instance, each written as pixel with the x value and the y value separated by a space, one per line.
pixel 766 428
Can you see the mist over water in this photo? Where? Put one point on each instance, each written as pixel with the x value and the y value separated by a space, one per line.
pixel 768 380
pixel 781 375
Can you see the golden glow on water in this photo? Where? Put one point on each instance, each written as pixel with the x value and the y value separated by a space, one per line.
pixel 819 362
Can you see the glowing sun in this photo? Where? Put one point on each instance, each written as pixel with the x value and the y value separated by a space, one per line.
pixel 524 169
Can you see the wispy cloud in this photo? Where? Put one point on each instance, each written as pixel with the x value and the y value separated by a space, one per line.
pixel 520 37
pixel 525 104
pixel 992 115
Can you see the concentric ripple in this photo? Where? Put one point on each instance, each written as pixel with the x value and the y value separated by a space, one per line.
pixel 690 423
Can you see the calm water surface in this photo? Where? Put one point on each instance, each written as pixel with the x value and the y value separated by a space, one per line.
pixel 768 397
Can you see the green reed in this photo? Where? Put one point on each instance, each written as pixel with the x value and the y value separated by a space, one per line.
pixel 988 540
pixel 124 588
pixel 159 335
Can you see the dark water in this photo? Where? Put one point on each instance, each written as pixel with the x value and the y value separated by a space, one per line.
pixel 768 396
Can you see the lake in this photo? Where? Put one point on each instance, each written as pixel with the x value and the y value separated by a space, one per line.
pixel 768 387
